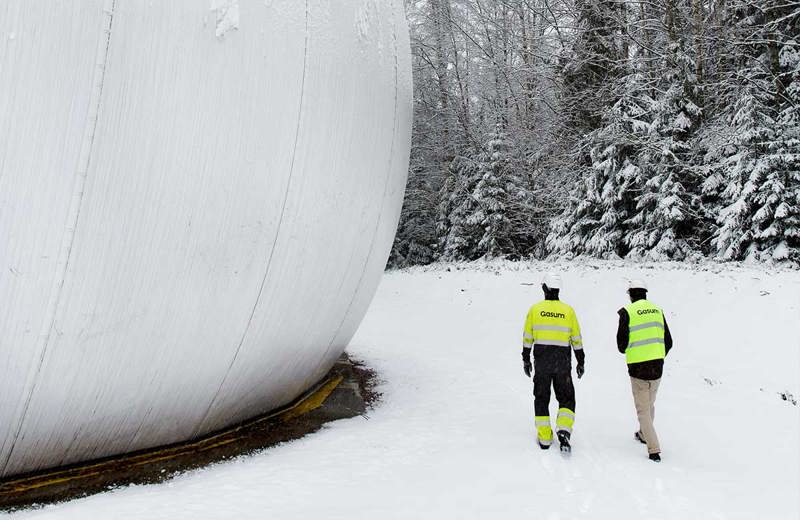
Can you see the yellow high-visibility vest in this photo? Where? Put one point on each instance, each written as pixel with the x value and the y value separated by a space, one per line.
pixel 645 332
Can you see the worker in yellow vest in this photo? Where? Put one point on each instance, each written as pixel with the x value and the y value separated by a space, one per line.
pixel 643 336
pixel 552 333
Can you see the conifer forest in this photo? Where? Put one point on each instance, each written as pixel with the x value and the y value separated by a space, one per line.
pixel 651 130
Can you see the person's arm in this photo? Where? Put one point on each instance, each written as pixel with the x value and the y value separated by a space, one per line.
pixel 576 340
pixel 527 345
pixel 577 345
pixel 667 337
pixel 622 331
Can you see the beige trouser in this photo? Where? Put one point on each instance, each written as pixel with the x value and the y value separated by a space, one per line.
pixel 644 397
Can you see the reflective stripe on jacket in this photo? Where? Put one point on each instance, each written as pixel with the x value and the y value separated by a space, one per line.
pixel 645 332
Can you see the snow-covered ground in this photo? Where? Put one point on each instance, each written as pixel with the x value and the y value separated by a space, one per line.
pixel 454 436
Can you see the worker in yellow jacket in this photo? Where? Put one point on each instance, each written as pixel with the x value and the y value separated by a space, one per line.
pixel 552 333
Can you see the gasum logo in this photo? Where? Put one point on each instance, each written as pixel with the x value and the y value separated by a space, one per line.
pixel 548 314
pixel 647 311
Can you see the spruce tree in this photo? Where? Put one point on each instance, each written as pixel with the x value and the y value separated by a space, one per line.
pixel 416 241
pixel 594 221
pixel 666 221
pixel 745 169
pixel 458 235
pixel 593 65
pixel 502 200
pixel 776 221
pixel 761 216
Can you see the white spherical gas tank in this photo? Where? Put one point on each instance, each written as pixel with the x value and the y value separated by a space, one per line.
pixel 197 200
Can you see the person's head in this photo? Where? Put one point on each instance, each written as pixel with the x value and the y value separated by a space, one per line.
pixel 637 290
pixel 551 285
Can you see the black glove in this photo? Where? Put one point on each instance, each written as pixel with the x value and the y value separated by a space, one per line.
pixel 526 361
pixel 580 370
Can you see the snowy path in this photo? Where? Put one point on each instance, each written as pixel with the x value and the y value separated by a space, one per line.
pixel 454 435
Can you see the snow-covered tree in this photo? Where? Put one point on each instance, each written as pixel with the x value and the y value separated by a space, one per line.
pixel 593 63
pixel 503 199
pixel 776 198
pixel 458 235
pixel 416 240
pixel 760 219
pixel 744 170
pixel 658 130
pixel 485 201
pixel 594 221
pixel 666 220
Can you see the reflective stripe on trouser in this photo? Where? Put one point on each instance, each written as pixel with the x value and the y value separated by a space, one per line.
pixel 543 430
pixel 565 420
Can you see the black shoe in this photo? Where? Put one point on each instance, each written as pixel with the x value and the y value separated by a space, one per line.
pixel 563 440
pixel 639 437
pixel 544 446
pixel 655 457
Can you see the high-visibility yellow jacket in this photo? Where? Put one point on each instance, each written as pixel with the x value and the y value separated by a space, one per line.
pixel 551 328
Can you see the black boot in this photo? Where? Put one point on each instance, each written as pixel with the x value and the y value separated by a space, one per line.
pixel 543 446
pixel 655 457
pixel 563 439
pixel 639 437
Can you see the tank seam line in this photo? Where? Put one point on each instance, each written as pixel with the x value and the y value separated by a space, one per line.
pixel 278 230
pixel 383 196
pixel 74 211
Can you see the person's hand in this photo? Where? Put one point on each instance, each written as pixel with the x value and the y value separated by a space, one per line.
pixel 527 367
pixel 580 370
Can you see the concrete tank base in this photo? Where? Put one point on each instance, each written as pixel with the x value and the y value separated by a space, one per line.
pixel 345 391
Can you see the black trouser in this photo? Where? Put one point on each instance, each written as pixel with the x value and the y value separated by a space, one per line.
pixel 562 384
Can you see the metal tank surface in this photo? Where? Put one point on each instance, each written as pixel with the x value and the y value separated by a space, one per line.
pixel 197 200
